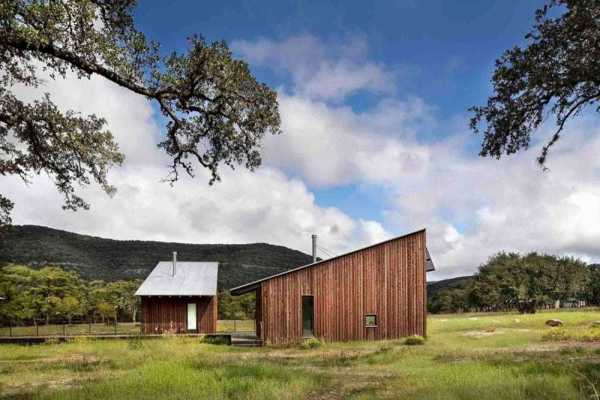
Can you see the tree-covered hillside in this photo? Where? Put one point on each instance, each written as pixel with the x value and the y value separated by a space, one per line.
pixel 112 260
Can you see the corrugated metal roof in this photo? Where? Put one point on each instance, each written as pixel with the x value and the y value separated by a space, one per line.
pixel 248 287
pixel 191 279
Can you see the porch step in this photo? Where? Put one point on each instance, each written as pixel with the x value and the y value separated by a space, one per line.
pixel 246 341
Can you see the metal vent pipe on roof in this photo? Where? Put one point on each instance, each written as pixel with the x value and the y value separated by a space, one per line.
pixel 174 263
pixel 314 248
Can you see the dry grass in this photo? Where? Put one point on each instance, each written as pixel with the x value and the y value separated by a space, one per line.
pixel 497 356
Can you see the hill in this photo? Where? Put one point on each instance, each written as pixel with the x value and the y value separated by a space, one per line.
pixel 98 258
pixel 434 288
pixel 108 259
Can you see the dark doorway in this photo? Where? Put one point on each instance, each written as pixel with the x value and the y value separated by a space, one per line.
pixel 308 316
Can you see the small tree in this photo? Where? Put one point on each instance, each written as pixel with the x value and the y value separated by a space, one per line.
pixel 107 312
pixel 71 307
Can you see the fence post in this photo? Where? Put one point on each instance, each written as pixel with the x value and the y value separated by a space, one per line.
pixel 115 327
pixel 37 330
pixel 64 330
pixel 235 325
pixel 90 328
pixel 10 330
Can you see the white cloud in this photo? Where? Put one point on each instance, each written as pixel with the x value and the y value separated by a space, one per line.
pixel 508 204
pixel 332 145
pixel 472 207
pixel 265 206
pixel 326 71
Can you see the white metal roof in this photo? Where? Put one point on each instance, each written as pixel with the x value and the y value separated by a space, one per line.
pixel 190 279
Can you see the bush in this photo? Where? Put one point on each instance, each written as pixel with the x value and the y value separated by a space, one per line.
pixel 311 343
pixel 415 340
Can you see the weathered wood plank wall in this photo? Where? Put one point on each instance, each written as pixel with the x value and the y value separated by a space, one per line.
pixel 169 314
pixel 387 280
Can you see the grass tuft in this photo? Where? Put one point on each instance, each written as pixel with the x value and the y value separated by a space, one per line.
pixel 414 340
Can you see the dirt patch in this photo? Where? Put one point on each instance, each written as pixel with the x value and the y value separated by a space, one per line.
pixel 556 346
pixel 350 383
pixel 492 332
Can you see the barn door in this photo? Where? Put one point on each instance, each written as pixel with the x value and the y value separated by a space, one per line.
pixel 191 316
pixel 308 316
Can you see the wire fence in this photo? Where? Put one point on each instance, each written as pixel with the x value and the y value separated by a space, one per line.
pixel 82 328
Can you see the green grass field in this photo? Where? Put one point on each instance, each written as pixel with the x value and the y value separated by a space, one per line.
pixel 469 356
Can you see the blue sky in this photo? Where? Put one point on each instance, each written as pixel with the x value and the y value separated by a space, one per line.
pixel 443 50
pixel 440 51
pixel 373 101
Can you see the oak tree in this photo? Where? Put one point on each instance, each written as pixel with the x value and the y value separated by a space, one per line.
pixel 556 75
pixel 216 111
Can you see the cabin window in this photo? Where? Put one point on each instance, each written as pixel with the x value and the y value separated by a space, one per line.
pixel 371 321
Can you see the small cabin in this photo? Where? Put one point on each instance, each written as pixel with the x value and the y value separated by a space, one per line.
pixel 179 297
pixel 377 292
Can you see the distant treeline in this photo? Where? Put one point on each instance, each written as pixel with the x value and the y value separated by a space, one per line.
pixel 510 281
pixel 53 295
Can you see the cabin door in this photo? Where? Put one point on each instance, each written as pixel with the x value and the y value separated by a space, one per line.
pixel 191 317
pixel 308 316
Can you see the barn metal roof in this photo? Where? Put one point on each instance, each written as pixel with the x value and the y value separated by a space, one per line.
pixel 190 279
pixel 251 286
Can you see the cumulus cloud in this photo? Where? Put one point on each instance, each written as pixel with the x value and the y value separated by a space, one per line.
pixel 332 145
pixel 320 70
pixel 265 206
pixel 472 207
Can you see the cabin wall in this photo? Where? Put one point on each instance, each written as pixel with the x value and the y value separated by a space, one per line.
pixel 388 280
pixel 169 314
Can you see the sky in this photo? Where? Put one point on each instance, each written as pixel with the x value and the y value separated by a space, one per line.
pixel 374 104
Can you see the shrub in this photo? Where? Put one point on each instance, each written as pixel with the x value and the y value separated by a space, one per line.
pixel 415 340
pixel 311 343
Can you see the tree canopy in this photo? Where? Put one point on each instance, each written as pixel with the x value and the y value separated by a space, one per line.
pixel 54 295
pixel 557 74
pixel 48 294
pixel 216 111
pixel 508 279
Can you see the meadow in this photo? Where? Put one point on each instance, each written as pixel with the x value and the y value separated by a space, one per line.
pixel 466 356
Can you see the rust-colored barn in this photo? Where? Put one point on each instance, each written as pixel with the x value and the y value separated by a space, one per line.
pixel 378 292
pixel 180 297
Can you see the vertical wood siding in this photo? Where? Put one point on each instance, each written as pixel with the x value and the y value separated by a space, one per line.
pixel 169 314
pixel 387 280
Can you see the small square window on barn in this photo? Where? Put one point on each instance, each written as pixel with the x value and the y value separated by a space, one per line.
pixel 371 321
